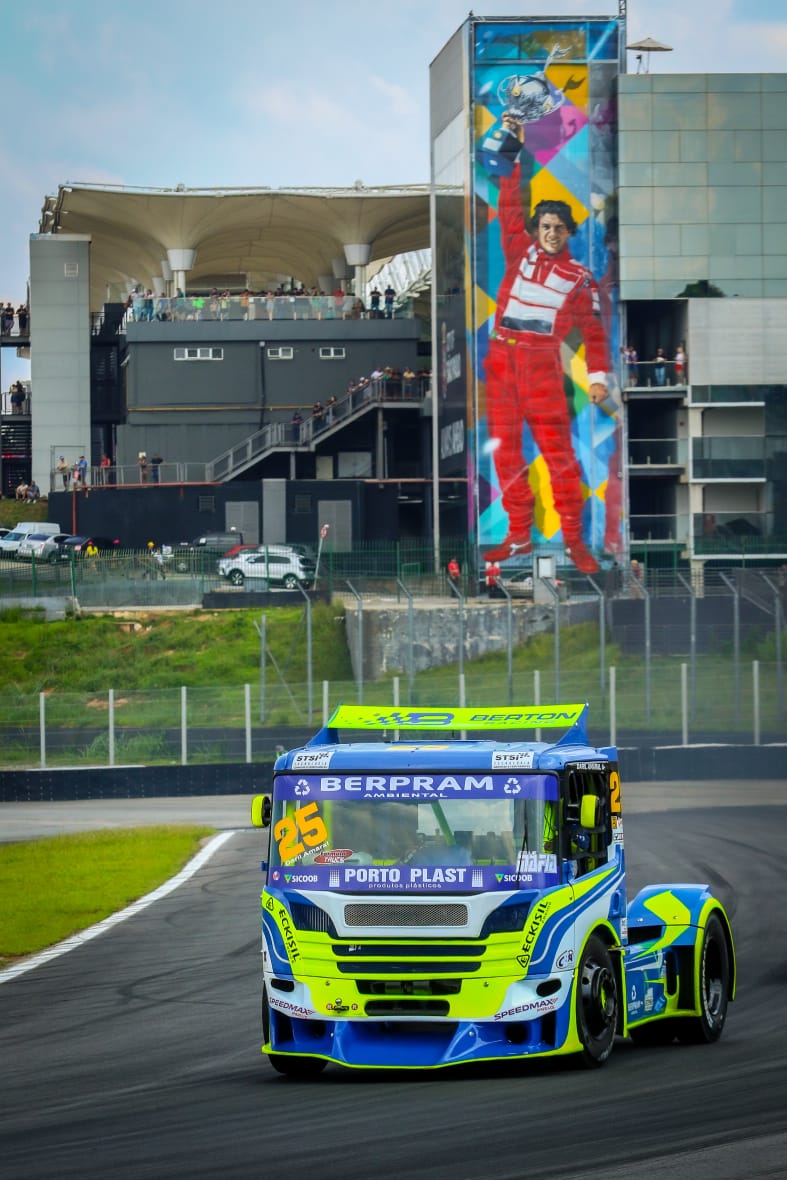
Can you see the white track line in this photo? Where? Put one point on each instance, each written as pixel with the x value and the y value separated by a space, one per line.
pixel 69 944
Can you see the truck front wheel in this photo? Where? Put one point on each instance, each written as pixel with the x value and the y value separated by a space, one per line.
pixel 597 1003
pixel 290 1065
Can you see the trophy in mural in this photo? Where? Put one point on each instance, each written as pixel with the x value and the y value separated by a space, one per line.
pixel 525 98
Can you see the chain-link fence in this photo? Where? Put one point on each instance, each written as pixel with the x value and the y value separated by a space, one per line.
pixel 251 722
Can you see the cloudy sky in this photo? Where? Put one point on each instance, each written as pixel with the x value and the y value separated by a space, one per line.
pixel 270 92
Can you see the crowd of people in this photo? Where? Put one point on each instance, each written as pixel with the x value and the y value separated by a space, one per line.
pixel 144 305
pixel 382 383
pixel 661 370
pixel 10 315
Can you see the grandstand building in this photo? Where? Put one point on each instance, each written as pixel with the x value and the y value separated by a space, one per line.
pixel 195 326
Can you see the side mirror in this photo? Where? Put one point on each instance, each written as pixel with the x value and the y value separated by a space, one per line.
pixel 261 811
pixel 589 811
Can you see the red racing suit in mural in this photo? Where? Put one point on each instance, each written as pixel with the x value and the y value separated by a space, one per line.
pixel 542 298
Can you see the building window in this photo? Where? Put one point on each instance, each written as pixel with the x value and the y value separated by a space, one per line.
pixel 280 354
pixel 198 354
pixel 331 354
pixel 206 504
pixel 302 504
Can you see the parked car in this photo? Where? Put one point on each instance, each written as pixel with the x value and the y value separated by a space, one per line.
pixel 9 544
pixel 278 565
pixel 192 555
pixel 78 544
pixel 518 583
pixel 42 547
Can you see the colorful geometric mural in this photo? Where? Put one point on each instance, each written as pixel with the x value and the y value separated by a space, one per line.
pixel 542 239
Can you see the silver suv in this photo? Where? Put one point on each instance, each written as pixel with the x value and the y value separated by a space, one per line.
pixel 277 565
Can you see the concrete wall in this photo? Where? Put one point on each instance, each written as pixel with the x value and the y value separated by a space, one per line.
pixel 437 633
pixel 639 764
pixel 60 350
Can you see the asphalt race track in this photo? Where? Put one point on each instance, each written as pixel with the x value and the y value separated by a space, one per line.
pixel 137 1054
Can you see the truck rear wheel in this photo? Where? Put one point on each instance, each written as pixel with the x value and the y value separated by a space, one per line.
pixel 596 1003
pixel 714 989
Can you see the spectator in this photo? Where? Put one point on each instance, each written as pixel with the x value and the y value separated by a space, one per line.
pixel 389 297
pixel 631 359
pixel 82 466
pixel 374 304
pixel 23 319
pixel 296 421
pixel 155 467
pixel 103 469
pixel 7 319
pixel 659 368
pixel 492 575
pixel 679 365
pixel 33 492
pixel 318 414
pixel 408 382
pixel 142 463
pixel 330 407
pixel 61 467
pixel 17 397
pixel 454 571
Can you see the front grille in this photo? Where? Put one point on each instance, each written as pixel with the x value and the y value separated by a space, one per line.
pixel 402 914
pixel 393 1007
pixel 408 950
pixel 310 917
pixel 409 987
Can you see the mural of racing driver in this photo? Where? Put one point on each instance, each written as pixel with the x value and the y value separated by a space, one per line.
pixel 544 295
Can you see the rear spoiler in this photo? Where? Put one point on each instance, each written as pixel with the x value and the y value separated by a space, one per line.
pixel 439 720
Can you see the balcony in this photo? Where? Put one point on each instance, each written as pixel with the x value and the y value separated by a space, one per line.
pixel 667 529
pixel 189 308
pixel 650 379
pixel 667 454
pixel 728 458
pixel 737 534
pixel 704 395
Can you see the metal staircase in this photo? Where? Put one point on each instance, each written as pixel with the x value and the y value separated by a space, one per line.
pixel 280 436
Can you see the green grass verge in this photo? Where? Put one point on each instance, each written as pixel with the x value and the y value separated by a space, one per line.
pixel 55 887
pixel 201 649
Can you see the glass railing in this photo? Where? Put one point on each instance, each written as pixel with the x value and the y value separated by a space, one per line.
pixel 663 452
pixel 737 533
pixel 664 527
pixel 718 394
pixel 15 404
pixel 284 433
pixel 158 309
pixel 655 375
pixel 728 458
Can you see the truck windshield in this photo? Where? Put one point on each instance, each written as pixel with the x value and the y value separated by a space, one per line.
pixel 500 828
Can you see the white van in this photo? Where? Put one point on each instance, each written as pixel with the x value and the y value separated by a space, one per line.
pixel 11 541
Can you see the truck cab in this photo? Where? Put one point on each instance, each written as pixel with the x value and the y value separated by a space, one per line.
pixel 434 899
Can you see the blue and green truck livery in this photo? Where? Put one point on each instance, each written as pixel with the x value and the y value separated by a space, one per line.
pixel 433 900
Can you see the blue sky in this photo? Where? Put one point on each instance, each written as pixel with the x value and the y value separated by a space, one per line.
pixel 270 92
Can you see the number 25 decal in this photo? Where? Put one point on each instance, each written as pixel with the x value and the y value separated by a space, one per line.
pixel 614 792
pixel 304 822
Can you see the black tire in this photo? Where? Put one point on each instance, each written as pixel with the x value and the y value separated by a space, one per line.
pixel 597 1002
pixel 290 581
pixel 289 1066
pixel 236 577
pixel 714 986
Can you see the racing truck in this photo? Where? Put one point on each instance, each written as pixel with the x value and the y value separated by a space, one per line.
pixel 434 896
